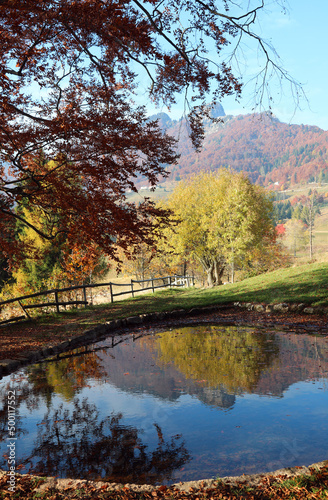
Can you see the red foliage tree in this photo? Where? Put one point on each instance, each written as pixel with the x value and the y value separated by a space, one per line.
pixel 280 230
pixel 68 72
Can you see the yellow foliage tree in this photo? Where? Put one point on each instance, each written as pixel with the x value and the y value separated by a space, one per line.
pixel 222 218
pixel 144 261
pixel 295 237
pixel 218 356
pixel 37 256
pixel 44 265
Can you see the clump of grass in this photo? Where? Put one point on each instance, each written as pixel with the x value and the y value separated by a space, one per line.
pixel 312 485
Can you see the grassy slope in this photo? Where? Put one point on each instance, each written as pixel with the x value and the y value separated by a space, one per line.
pixel 307 284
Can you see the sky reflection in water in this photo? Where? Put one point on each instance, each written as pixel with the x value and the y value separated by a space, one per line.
pixel 191 403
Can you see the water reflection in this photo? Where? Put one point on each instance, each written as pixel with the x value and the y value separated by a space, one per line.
pixel 68 376
pixel 185 404
pixel 219 357
pixel 76 442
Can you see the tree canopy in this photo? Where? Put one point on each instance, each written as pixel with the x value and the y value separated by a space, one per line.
pixel 72 137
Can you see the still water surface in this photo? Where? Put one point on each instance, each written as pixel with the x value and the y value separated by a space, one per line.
pixel 190 403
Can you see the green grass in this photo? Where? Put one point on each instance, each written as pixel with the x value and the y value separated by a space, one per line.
pixel 311 485
pixel 307 284
pixel 302 284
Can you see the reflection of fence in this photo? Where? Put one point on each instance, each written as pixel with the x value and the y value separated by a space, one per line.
pixel 56 300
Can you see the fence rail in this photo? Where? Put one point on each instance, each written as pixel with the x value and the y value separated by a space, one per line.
pixel 56 302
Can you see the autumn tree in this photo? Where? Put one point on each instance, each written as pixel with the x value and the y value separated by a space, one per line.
pixel 214 355
pixel 4 272
pixel 222 217
pixel 46 264
pixel 37 262
pixel 310 210
pixel 242 219
pixel 69 76
pixel 150 261
pixel 295 237
pixel 79 265
pixel 268 256
pixel 137 261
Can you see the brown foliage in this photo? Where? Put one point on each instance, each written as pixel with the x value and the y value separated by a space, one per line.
pixel 66 84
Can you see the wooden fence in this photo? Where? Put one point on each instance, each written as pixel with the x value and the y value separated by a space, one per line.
pixel 56 302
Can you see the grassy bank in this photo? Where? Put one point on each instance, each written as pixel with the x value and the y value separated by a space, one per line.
pixel 307 284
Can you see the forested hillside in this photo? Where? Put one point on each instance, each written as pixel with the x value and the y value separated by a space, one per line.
pixel 270 151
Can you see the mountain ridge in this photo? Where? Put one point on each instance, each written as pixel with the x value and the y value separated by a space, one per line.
pixel 272 153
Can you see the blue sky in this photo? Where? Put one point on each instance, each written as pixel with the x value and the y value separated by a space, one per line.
pixel 300 38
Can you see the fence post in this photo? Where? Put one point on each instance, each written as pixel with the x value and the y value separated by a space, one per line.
pixel 132 288
pixel 170 284
pixel 152 284
pixel 85 296
pixel 56 300
pixel 111 293
pixel 24 310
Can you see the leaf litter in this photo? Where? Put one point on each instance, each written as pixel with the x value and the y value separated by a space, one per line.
pixel 312 485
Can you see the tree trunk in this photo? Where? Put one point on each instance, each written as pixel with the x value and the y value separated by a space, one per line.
pixel 184 268
pixel 311 239
pixel 232 271
pixel 214 272
pixel 218 272
pixel 210 275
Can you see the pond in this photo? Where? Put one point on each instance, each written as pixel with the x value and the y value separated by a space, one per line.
pixel 195 402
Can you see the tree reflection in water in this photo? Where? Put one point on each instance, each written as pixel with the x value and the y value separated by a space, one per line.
pixel 228 357
pixel 76 444
pixel 67 374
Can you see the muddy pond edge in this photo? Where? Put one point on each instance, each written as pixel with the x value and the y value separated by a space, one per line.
pixel 253 480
